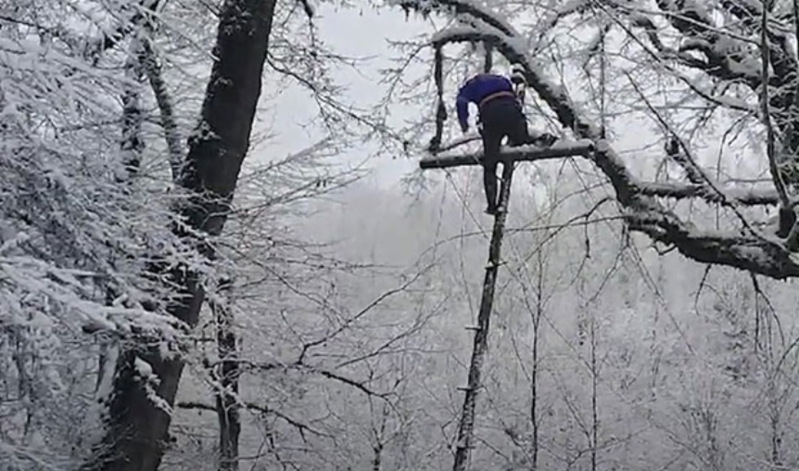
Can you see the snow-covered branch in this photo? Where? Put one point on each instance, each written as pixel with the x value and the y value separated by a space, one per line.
pixel 683 191
pixel 529 153
pixel 152 68
pixel 756 252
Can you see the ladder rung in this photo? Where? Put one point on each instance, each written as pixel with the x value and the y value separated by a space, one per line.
pixel 491 264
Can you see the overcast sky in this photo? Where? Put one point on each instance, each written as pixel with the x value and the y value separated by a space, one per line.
pixel 356 32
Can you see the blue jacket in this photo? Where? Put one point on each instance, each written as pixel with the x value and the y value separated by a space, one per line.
pixel 477 88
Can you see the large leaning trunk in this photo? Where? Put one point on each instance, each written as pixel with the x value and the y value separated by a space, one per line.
pixel 137 425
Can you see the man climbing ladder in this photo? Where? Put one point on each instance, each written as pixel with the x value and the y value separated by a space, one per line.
pixel 499 102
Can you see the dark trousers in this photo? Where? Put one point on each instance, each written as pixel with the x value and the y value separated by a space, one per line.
pixel 500 117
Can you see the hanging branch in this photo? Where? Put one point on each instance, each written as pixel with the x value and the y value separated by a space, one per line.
pixel 602 71
pixel 441 111
pixel 489 58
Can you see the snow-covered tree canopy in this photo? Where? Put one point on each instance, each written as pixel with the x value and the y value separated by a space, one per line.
pixel 707 62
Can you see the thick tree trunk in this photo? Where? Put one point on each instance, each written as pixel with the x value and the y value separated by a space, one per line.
pixel 136 435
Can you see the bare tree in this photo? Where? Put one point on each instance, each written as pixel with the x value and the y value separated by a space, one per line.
pixel 729 58
pixel 748 247
pixel 137 427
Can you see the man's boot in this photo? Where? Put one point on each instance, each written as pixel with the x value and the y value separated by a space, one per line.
pixel 490 184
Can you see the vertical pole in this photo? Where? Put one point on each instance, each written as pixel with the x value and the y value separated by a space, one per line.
pixel 602 68
pixel 441 112
pixel 489 59
pixel 536 318
pixel 594 383
pixel 463 444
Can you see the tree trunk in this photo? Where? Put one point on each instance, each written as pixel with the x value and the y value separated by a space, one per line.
pixel 594 384
pixel 227 373
pixel 132 143
pixel 136 435
pixel 536 318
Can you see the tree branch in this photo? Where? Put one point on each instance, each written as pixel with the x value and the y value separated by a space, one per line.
pixel 152 69
pixel 779 184
pixel 195 405
pixel 298 365
pixel 521 153
pixel 642 212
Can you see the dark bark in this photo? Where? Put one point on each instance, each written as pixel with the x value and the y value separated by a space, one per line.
pixel 132 144
pixel 535 421
pixel 594 382
pixel 489 58
pixel 465 435
pixel 441 110
pixel 228 372
pixel 136 436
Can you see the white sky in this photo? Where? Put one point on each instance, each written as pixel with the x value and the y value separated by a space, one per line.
pixel 354 32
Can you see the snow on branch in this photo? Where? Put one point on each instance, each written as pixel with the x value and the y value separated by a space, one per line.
pixel 750 253
pixel 522 153
pixel 682 191
pixel 461 8
pixel 32 278
pixel 584 148
pixel 169 123
pixel 747 249
pixel 720 53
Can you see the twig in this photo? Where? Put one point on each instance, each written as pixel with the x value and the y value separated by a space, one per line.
pixel 376 302
pixel 194 405
pixel 348 381
pixel 298 365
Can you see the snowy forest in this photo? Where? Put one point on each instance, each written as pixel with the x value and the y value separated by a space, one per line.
pixel 218 250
